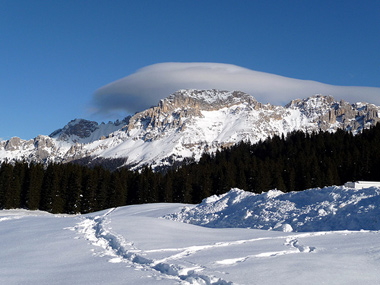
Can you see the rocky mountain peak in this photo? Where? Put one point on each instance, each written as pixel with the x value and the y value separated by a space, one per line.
pixel 78 127
pixel 187 124
pixel 12 144
pixel 314 102
pixel 84 131
pixel 177 108
pixel 325 111
pixel 207 100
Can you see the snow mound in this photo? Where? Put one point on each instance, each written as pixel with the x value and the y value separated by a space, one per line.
pixel 328 209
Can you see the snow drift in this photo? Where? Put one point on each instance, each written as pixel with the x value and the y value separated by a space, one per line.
pixel 133 245
pixel 327 209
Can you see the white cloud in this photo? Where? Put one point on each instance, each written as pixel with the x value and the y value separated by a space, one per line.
pixel 148 85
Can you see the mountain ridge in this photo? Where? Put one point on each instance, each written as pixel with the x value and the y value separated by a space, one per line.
pixel 188 123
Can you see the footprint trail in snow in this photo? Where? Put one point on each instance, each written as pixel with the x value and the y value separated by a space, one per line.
pixel 116 247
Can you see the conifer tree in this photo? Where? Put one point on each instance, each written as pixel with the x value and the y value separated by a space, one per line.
pixel 102 189
pixel 88 202
pixel 5 183
pixel 50 186
pixel 117 195
pixel 74 190
pixel 13 191
pixel 167 189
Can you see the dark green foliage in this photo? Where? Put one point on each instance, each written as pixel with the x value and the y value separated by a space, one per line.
pixel 294 163
pixel 89 187
pixel 33 184
pixel 74 189
pixel 50 187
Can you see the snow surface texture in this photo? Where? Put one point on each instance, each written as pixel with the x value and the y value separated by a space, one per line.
pixel 134 245
pixel 327 209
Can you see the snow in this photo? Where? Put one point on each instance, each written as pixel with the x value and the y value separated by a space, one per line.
pixel 136 245
pixel 183 132
pixel 330 208
pixel 209 96
pixel 222 127
pixel 97 131
pixel 208 132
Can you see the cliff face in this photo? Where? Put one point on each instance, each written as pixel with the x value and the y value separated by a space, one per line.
pixel 79 127
pixel 328 113
pixel 83 131
pixel 175 111
pixel 188 123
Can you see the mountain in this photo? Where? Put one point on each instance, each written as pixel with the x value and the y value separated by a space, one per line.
pixel 83 131
pixel 186 124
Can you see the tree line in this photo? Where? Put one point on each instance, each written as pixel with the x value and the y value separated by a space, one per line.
pixel 296 162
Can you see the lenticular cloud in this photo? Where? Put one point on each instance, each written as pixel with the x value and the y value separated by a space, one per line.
pixel 148 85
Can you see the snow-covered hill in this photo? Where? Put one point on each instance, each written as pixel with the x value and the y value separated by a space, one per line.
pixel 328 209
pixel 135 245
pixel 187 124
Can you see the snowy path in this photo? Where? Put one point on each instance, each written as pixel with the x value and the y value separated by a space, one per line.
pixel 133 245
pixel 116 247
pixel 189 254
pixel 291 242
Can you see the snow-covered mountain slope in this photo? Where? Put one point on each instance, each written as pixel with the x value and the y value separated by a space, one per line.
pixel 115 246
pixel 60 145
pixel 330 208
pixel 83 131
pixel 187 124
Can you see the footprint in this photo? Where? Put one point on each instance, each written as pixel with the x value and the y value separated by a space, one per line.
pixel 294 243
pixel 232 261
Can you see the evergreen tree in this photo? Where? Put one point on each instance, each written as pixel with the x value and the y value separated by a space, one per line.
pixel 263 178
pixel 50 186
pixel 13 192
pixel 104 180
pixel 74 190
pixel 117 195
pixel 166 189
pixel 88 202
pixel 5 183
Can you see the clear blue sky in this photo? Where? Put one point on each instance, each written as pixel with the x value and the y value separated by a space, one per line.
pixel 55 54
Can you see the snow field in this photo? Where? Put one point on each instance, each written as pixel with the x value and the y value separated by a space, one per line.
pixel 136 245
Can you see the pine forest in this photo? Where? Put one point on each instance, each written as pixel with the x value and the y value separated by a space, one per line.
pixel 293 163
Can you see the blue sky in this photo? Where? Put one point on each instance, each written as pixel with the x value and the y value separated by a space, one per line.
pixel 55 55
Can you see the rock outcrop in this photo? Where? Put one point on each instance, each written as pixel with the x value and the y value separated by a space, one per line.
pixel 78 127
pixel 187 124
pixel 328 113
